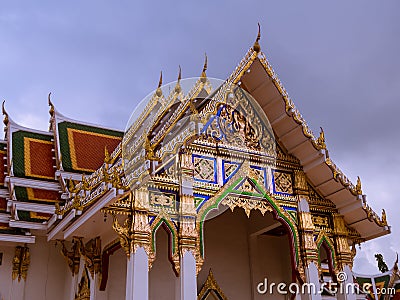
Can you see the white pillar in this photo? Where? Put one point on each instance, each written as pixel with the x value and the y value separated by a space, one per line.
pixel 137 276
pixel 72 282
pixel 188 282
pixel 93 286
pixel 312 287
pixel 346 291
pixel 18 289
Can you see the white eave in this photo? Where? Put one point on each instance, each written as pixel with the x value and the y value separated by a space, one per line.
pixel 18 239
pixel 28 225
pixel 33 183
pixel 35 207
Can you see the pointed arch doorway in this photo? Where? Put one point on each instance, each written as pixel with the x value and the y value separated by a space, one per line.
pixel 252 241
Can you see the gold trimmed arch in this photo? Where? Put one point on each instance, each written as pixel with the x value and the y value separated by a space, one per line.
pixel 211 287
pixel 323 239
pixel 173 252
pixel 262 201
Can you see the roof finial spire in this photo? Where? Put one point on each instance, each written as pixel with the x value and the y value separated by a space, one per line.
pixel 383 217
pixel 205 63
pixel 160 81
pixel 358 186
pixel 5 114
pixel 159 91
pixel 321 139
pixel 178 88
pixel 107 157
pixel 256 46
pixel 203 73
pixel 51 111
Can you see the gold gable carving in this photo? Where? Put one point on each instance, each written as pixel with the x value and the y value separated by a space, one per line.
pixel 20 263
pixel 211 289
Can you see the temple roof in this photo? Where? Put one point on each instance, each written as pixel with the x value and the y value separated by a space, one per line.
pixel 257 77
pixel 38 165
pixel 50 174
pixel 80 145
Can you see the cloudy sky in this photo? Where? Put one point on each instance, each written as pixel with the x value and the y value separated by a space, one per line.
pixel 339 60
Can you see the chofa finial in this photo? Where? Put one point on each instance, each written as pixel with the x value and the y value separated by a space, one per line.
pixel 383 217
pixel 5 114
pixel 159 91
pixel 107 157
pixel 256 46
pixel 203 73
pixel 321 139
pixel 51 111
pixel 205 63
pixel 160 81
pixel 178 88
pixel 358 186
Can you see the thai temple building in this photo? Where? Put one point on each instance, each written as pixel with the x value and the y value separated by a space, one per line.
pixel 213 192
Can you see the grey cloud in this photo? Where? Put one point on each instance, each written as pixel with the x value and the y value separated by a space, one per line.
pixel 338 60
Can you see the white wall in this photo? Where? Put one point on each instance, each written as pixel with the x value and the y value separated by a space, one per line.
pixel 5 272
pixel 46 274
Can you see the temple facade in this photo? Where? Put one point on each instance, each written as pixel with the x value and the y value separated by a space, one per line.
pixel 214 192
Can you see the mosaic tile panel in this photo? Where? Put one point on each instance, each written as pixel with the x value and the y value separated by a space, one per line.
pixel 283 182
pixel 205 169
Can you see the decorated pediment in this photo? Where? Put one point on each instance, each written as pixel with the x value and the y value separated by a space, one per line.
pixel 211 289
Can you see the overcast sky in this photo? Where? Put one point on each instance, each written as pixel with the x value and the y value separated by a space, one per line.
pixel 339 61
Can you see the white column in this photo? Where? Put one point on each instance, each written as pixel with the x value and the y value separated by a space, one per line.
pixel 93 286
pixel 312 287
pixel 18 290
pixel 188 282
pixel 72 282
pixel 137 276
pixel 346 291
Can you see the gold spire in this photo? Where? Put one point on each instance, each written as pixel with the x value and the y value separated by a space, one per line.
pixel 159 91
pixel 107 158
pixel 160 81
pixel 178 88
pixel 383 218
pixel 256 46
pixel 51 111
pixel 71 186
pixel 321 139
pixel 358 186
pixel 203 73
pixel 5 114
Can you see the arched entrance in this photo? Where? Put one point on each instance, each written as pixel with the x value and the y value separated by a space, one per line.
pixel 242 251
pixel 163 282
pixel 255 240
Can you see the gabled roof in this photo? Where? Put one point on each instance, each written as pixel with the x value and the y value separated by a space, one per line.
pixel 256 75
pixel 80 146
pixel 75 147
pixel 30 183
